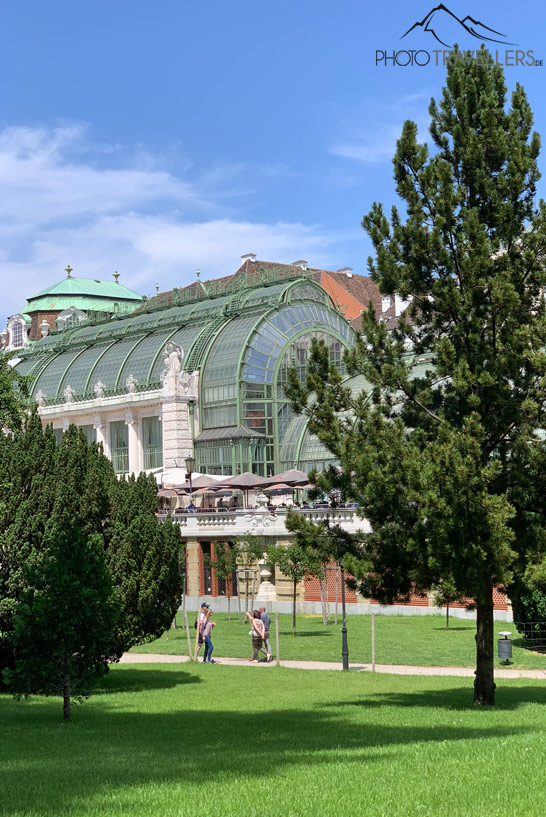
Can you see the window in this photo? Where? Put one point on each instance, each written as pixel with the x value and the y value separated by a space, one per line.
pixel 17 337
pixel 70 317
pixel 207 568
pixel 58 434
pixel 89 431
pixel 119 445
pixel 152 443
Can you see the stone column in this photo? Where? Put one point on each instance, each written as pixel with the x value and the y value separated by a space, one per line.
pixel 192 562
pixel 101 435
pixel 135 443
pixel 177 442
pixel 179 389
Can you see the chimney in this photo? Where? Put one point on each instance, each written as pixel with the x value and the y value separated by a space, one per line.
pixel 400 304
pixel 249 256
pixel 300 263
pixel 347 270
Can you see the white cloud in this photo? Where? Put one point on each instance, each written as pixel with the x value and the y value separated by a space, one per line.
pixel 371 147
pixel 65 200
pixel 375 141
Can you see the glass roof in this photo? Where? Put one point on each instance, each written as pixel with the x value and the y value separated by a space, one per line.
pixel 142 357
pixel 273 335
pixel 223 360
pixel 290 442
pixel 133 345
pixel 77 374
pixel 51 377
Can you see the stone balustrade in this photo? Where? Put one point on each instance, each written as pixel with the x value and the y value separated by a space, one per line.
pixel 261 522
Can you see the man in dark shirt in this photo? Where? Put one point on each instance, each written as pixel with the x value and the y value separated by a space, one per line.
pixel 267 621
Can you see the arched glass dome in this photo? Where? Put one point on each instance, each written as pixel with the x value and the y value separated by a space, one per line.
pixel 243 344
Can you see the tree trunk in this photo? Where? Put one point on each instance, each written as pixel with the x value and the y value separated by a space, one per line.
pixel 447 615
pixel 337 592
pixel 253 591
pixel 326 596
pixel 66 698
pixel 322 601
pixel 484 684
pixel 229 607
pixel 294 608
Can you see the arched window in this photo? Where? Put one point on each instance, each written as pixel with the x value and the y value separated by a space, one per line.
pixel 70 317
pixel 17 332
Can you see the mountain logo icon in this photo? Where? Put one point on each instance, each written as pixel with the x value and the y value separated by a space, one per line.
pixel 446 28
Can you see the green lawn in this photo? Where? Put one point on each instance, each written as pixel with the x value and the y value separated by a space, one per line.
pixel 419 640
pixel 205 741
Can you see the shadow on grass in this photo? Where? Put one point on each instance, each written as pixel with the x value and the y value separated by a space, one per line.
pixel 506 698
pixel 451 629
pixel 141 679
pixel 107 750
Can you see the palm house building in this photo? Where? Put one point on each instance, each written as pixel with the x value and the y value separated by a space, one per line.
pixel 200 372
pixel 195 372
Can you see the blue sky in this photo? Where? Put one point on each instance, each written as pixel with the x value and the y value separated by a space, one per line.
pixel 157 138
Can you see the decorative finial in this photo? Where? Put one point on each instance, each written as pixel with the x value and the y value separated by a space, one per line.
pixel 198 273
pixel 157 287
pixel 116 276
pixel 68 270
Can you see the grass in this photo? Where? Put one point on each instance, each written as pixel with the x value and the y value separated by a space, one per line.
pixel 202 741
pixel 421 640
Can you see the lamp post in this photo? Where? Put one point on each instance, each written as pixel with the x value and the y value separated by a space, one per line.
pixel 190 466
pixel 344 645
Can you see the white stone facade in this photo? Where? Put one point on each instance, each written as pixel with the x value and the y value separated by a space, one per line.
pixel 174 404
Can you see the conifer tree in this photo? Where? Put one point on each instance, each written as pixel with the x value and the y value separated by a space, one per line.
pixel 144 559
pixel 27 495
pixel 442 451
pixel 13 393
pixel 63 620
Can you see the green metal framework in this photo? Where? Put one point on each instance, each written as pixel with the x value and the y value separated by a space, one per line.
pixel 243 338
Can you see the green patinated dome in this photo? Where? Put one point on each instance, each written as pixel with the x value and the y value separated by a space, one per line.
pixel 82 293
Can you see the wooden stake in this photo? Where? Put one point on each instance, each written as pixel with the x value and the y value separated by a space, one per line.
pixel 373 641
pixel 198 630
pixel 277 656
pixel 187 626
pixel 337 591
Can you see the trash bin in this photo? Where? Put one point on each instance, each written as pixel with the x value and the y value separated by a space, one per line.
pixel 505 647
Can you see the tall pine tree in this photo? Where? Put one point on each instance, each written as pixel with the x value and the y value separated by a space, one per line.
pixel 444 448
pixel 63 620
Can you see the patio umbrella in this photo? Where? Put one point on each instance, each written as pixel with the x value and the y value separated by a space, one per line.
pixel 245 482
pixel 167 493
pixel 200 481
pixel 280 488
pixel 292 477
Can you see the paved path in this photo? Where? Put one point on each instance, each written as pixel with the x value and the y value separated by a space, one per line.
pixel 392 669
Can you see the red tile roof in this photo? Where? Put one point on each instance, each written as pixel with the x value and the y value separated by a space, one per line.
pixel 351 293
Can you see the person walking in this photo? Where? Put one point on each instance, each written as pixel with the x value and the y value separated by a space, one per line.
pixel 257 632
pixel 267 623
pixel 201 616
pixel 207 626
